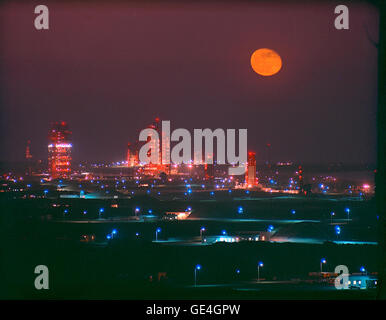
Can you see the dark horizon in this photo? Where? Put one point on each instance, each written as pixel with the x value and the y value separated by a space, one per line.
pixel 109 70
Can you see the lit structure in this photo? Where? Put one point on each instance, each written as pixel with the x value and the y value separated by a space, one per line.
pixel 300 176
pixel 132 156
pixel 59 150
pixel 28 151
pixel 250 173
pixel 158 167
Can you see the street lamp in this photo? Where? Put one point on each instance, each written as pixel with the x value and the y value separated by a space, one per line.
pixel 224 232
pixel 337 230
pixel 197 267
pixel 156 233
pixel 332 214
pixel 259 265
pixel 201 231
pixel 114 232
pixel 348 214
pixel 322 261
pixel 363 270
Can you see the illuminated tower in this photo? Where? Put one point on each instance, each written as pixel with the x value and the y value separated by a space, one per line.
pixel 59 150
pixel 300 176
pixel 250 173
pixel 132 155
pixel 28 151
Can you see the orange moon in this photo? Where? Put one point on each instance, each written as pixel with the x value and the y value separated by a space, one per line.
pixel 266 62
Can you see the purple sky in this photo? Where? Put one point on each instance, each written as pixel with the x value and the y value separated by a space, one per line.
pixel 110 69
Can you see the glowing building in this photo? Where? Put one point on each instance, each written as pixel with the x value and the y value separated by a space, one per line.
pixel 59 150
pixel 158 167
pixel 250 173
pixel 132 156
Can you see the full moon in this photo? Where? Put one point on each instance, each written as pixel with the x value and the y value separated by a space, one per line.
pixel 266 62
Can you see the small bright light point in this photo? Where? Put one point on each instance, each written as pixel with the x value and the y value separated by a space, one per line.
pixel 261 264
pixel 293 211
pixel 158 230
pixel 108 237
pixel 198 267
pixel 362 269
pixel 114 231
pixel 101 210
pixel 203 229
pixel 347 210
pixel 323 261
pixel 237 271
pixel 224 232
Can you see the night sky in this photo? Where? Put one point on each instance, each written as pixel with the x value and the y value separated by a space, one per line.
pixel 110 69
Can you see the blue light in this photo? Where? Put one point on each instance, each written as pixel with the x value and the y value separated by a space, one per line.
pixel 347 210
pixel 137 234
pixel 198 267
pixel 237 271
pixel 224 232
pixel 212 193
pixel 247 191
pixel 150 211
pixel 337 229
pixel 158 230
pixel 270 228
pixel 362 269
pixel 323 260
pixel 108 237
pixel 240 210
pixel 114 231
pixel 46 191
pixel 202 229
pixel 261 264
pixel 189 209
pixel 101 210
pixel 189 190
pixel 293 211
pixel 137 209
